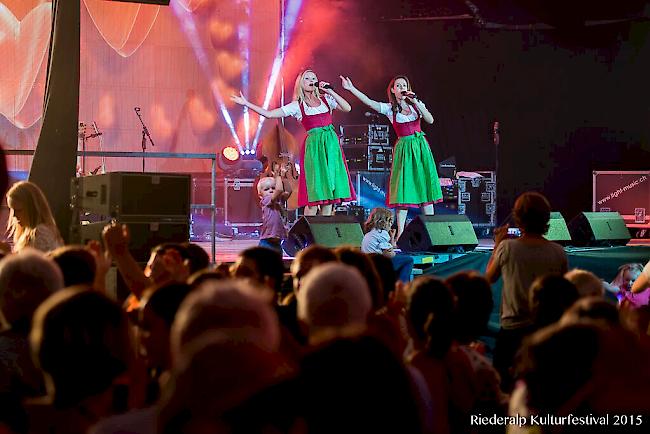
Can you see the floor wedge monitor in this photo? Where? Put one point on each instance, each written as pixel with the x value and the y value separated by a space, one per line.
pixel 558 230
pixel 438 233
pixel 326 231
pixel 599 229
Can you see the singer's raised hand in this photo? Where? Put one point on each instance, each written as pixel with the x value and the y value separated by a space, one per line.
pixel 346 83
pixel 239 99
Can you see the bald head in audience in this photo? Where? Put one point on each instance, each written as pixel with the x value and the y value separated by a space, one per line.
pixel 26 280
pixel 587 283
pixel 233 307
pixel 333 297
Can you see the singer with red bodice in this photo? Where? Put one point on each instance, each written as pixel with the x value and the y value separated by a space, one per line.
pixel 414 179
pixel 324 178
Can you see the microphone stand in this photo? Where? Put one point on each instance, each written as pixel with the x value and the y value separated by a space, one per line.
pixel 82 135
pixel 496 140
pixel 101 149
pixel 145 135
pixel 83 157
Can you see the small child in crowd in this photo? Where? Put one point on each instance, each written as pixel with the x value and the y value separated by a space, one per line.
pixel 380 238
pixel 621 286
pixel 272 196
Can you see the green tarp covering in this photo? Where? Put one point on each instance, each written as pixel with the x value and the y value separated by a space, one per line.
pixel 603 262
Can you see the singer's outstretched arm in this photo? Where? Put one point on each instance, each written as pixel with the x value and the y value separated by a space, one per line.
pixel 241 100
pixel 347 85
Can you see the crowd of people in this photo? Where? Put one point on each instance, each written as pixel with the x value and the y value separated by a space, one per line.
pixel 342 341
pixel 337 343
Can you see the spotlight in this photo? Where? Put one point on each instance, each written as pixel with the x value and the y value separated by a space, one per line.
pixel 234 164
pixel 230 154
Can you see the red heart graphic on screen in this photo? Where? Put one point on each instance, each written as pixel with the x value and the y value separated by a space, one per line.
pixel 23 50
pixel 124 26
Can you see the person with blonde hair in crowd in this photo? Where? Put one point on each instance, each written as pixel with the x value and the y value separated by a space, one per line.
pixel 623 283
pixel 30 221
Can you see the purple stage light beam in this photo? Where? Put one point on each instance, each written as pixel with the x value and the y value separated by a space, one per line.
pixel 287 24
pixel 188 26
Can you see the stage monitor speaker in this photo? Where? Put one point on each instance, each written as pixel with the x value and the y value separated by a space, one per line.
pixel 558 230
pixel 330 231
pixel 599 229
pixel 438 233
pixel 134 195
pixel 144 235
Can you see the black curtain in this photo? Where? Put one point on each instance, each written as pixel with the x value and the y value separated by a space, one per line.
pixel 569 101
pixel 56 153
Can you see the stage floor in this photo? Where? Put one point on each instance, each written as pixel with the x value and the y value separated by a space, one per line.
pixel 228 249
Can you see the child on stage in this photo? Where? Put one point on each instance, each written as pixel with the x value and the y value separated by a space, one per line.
pixel 380 238
pixel 272 198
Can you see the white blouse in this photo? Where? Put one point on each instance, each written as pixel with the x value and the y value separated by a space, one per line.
pixel 293 109
pixel 387 110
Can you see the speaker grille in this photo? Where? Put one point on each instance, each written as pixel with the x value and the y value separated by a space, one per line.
pixel 438 234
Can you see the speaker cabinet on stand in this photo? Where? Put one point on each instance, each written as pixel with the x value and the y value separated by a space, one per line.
pixel 155 207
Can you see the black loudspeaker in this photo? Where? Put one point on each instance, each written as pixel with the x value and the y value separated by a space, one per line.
pixel 558 230
pixel 144 235
pixel 326 231
pixel 599 229
pixel 133 195
pixel 438 233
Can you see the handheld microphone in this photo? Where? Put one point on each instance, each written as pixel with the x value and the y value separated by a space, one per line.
pixel 409 94
pixel 327 86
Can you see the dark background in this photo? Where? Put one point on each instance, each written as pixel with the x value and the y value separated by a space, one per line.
pixel 570 91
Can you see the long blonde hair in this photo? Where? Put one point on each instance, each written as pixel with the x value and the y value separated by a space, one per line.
pixel 633 267
pixel 379 218
pixel 298 92
pixel 37 212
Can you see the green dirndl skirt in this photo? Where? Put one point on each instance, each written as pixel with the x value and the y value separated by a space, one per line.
pixel 414 178
pixel 324 178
